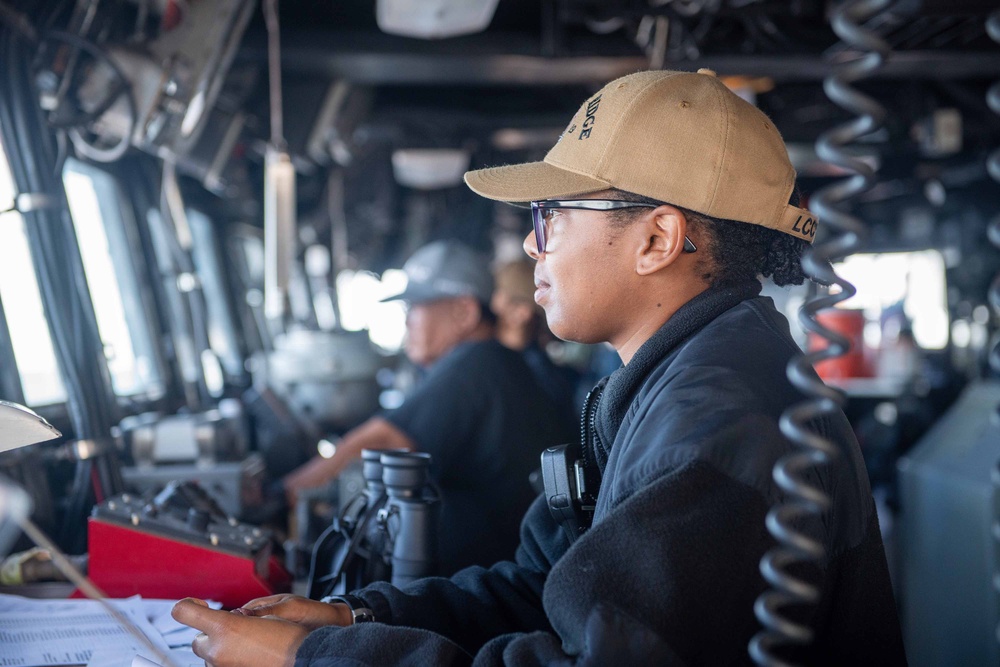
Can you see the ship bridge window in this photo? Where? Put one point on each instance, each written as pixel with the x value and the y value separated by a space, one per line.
pixel 22 305
pixel 244 249
pixel 358 293
pixel 900 289
pixel 207 256
pixel 96 206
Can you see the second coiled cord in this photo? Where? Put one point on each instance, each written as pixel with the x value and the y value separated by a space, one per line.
pixel 804 503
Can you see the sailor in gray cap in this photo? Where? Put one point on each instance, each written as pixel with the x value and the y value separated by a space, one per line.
pixel 448 288
pixel 479 411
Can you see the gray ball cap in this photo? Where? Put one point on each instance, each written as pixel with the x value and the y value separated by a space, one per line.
pixel 445 269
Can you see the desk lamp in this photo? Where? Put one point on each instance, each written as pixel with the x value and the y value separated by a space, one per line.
pixel 19 427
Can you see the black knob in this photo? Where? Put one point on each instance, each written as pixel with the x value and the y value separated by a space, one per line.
pixel 198 520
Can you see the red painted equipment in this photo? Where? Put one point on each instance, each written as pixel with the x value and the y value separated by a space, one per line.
pixel 171 549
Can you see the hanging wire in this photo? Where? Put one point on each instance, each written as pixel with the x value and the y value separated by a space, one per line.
pixel 993 232
pixel 844 234
pixel 61 277
pixel 194 325
pixel 83 145
pixel 80 26
pixel 274 72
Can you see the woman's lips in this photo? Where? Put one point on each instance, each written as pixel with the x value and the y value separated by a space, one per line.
pixel 541 289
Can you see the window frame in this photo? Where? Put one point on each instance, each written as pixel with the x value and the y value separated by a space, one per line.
pixel 250 314
pixel 217 290
pixel 124 245
pixel 12 382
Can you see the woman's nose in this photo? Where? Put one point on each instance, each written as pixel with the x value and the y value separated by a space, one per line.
pixel 530 247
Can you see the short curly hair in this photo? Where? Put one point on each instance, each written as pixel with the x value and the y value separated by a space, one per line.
pixel 736 251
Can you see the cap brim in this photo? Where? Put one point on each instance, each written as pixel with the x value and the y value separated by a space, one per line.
pixel 531 181
pixel 415 294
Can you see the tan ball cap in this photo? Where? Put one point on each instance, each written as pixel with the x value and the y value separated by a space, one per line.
pixel 676 137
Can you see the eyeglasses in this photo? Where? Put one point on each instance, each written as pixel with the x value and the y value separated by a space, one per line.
pixel 540 214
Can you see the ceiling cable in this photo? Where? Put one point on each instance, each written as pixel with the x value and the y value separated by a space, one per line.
pixel 274 71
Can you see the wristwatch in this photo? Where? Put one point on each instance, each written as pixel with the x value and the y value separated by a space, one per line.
pixel 360 611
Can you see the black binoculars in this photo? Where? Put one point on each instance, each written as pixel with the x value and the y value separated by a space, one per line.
pixel 388 532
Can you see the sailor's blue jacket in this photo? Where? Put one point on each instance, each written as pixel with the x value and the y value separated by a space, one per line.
pixel 687 436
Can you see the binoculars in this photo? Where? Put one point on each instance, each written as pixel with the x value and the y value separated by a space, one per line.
pixel 388 532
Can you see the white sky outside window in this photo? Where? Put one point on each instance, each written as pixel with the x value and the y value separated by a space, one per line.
pixel 915 278
pixel 358 293
pixel 221 330
pixel 127 375
pixel 36 360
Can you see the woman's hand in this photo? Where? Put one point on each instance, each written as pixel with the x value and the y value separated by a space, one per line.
pixel 237 640
pixel 299 610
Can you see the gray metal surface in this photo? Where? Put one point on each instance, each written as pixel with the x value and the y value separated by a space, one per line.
pixel 230 484
pixel 946 550
pixel 326 377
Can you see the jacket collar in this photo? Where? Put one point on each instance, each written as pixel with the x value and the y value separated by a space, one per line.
pixel 620 388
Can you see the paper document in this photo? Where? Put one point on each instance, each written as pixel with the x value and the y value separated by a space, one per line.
pixel 181 657
pixel 51 633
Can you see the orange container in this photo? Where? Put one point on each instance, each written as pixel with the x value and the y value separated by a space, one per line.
pixel 850 324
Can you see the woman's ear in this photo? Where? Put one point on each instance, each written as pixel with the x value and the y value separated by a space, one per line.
pixel 664 230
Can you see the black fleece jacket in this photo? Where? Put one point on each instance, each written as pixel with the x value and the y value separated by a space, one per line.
pixel 686 435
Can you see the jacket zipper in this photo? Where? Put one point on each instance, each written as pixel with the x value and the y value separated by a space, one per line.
pixel 587 423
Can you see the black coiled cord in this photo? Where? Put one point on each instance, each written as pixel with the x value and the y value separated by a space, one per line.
pixel 844 234
pixel 993 232
pixel 993 167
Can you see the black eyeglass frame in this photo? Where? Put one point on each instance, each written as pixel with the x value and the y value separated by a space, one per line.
pixel 538 209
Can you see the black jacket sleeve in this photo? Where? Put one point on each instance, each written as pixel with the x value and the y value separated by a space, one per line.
pixel 643 585
pixel 476 604
pixel 667 575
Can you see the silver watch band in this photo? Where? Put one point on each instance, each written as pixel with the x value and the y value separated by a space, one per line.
pixel 360 611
